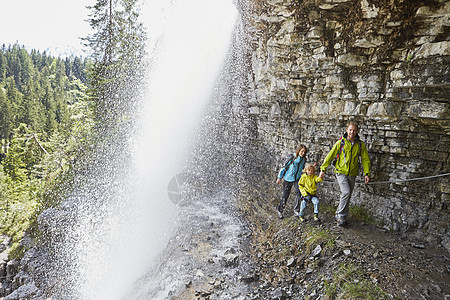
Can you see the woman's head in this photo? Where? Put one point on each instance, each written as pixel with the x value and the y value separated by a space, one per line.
pixel 310 169
pixel 301 151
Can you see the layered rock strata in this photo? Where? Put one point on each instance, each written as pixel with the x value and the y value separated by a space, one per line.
pixel 315 65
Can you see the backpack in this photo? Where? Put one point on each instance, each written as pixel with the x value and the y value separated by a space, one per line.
pixel 289 159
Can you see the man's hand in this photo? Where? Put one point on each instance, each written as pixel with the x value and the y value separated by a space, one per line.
pixel 322 174
pixel 366 179
pixel 278 181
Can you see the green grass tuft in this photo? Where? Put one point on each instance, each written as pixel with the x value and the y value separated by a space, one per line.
pixel 317 236
pixel 349 283
pixel 360 214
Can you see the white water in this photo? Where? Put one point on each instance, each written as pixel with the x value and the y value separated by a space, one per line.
pixel 188 43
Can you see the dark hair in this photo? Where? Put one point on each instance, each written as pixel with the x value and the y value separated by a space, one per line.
pixel 300 147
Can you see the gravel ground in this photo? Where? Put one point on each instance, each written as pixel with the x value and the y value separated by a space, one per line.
pixel 228 248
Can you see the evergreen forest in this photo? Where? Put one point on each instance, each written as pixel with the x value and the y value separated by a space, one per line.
pixel 56 113
pixel 43 118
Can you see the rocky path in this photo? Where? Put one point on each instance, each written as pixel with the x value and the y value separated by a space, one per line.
pixel 221 251
pixel 404 267
pixel 323 261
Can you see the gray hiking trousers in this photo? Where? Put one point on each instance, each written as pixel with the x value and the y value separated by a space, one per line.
pixel 346 184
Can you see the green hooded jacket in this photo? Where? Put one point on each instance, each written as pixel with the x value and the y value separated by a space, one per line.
pixel 348 160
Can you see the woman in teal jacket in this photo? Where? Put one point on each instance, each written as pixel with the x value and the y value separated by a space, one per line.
pixel 291 173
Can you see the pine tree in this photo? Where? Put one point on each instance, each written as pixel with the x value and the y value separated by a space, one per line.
pixel 15 99
pixel 33 108
pixel 3 67
pixel 26 68
pixel 5 195
pixel 5 115
pixel 14 164
pixel 117 45
pixel 78 69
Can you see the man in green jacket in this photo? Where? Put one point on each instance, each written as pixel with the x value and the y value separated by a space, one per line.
pixel 347 151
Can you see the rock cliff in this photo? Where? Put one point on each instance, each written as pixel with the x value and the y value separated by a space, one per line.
pixel 311 66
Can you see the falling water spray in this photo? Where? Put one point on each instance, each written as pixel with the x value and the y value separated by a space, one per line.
pixel 120 214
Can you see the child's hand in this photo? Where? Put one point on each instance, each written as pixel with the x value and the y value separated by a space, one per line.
pixel 322 174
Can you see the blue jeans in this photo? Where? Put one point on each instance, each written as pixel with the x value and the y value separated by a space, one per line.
pixel 314 200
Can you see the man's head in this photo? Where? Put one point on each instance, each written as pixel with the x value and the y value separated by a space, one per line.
pixel 352 130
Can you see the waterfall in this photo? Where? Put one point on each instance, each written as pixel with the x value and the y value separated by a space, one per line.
pixel 189 41
pixel 123 216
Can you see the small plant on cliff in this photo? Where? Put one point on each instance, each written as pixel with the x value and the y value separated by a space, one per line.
pixel 360 214
pixel 318 236
pixel 409 56
pixel 349 283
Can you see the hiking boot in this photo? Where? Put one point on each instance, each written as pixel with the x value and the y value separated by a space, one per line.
pixel 341 222
pixel 316 218
pixel 301 219
pixel 280 214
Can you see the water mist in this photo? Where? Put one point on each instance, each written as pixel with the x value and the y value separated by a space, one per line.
pixel 123 216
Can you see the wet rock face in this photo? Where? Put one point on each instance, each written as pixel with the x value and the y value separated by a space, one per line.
pixel 207 258
pixel 318 64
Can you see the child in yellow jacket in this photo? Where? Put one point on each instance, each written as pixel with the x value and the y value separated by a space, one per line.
pixel 308 189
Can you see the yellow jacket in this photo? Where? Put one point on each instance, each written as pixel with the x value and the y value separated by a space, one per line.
pixel 307 184
pixel 348 161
